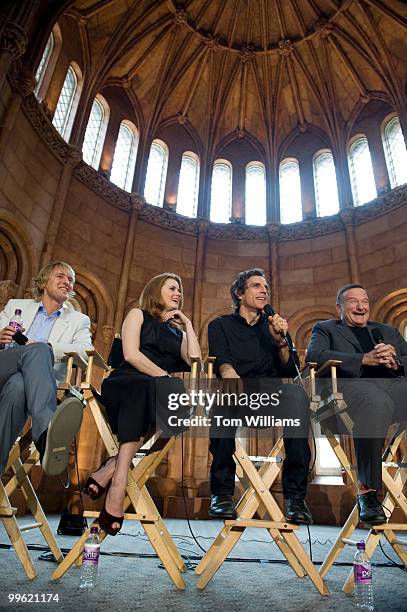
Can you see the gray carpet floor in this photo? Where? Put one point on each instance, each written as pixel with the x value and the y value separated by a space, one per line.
pixel 127 581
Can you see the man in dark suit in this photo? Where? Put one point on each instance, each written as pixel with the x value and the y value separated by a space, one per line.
pixel 372 378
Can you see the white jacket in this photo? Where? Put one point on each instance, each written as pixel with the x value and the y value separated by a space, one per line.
pixel 71 331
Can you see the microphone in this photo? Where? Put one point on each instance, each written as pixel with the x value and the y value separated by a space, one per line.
pixel 270 312
pixel 377 336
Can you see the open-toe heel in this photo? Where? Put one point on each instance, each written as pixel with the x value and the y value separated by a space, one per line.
pixel 91 481
pixel 107 520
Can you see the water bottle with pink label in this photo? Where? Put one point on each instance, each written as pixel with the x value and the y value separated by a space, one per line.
pixel 362 569
pixel 17 324
pixel 90 561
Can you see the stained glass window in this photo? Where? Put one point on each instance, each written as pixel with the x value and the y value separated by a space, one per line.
pixel 95 133
pixel 124 158
pixel 395 151
pixel 65 101
pixel 361 172
pixel 326 187
pixel 156 173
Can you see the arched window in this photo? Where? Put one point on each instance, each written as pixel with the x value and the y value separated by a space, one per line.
pixel 395 151
pixel 290 191
pixel 42 67
pixel 221 192
pixel 156 173
pixel 361 172
pixel 48 62
pixel 326 187
pixel 95 132
pixel 67 102
pixel 124 158
pixel 255 194
pixel 188 185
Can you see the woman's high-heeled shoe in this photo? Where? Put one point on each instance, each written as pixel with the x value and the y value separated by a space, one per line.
pixel 106 521
pixel 91 481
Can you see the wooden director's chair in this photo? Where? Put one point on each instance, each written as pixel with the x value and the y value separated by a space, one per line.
pixel 257 498
pixel 394 473
pixel 137 495
pixel 21 469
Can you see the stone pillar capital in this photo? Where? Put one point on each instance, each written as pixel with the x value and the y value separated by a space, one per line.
pixel 13 40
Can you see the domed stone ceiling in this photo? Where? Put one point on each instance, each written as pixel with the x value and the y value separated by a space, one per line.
pixel 257 67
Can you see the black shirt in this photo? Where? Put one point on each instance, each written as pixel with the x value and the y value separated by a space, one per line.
pixel 250 349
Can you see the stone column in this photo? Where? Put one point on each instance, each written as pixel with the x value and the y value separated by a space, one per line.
pixel 343 179
pixel 351 247
pixel 203 225
pixel 73 157
pixel 25 86
pixel 137 203
pixel 13 44
pixel 272 233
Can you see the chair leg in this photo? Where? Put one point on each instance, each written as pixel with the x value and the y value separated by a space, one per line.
pixel 346 532
pixel 36 509
pixel 14 534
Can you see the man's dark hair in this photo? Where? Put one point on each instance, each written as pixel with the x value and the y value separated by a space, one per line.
pixel 238 286
pixel 344 289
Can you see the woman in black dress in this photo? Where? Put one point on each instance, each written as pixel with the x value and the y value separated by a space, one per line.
pixel 158 339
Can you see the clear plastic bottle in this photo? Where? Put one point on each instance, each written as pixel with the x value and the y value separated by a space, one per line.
pixel 362 569
pixel 90 560
pixel 17 324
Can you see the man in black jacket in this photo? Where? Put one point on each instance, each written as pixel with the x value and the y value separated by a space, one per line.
pixel 247 344
pixel 372 378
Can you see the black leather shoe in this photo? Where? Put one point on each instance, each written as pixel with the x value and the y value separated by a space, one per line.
pixel 222 507
pixel 370 509
pixel 297 511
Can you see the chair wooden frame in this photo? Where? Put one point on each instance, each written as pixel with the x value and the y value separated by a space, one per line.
pixel 137 494
pixel 258 498
pixel 335 404
pixel 21 479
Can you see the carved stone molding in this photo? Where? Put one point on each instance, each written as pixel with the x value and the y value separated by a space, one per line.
pixel 203 225
pixel 347 216
pixel 42 125
pixel 73 156
pixel 273 230
pixel 310 228
pixel 98 183
pixel 236 232
pixel 137 201
pixel 168 219
pixel 13 40
pixel 27 84
pixel 390 201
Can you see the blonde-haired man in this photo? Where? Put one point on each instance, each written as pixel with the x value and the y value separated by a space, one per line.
pixel 28 374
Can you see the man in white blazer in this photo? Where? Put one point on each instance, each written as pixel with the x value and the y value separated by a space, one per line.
pixel 29 373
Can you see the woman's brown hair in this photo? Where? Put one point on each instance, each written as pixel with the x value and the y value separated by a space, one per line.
pixel 150 298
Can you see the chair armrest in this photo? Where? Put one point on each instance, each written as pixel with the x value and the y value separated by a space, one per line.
pixel 331 363
pixel 98 359
pixel 77 360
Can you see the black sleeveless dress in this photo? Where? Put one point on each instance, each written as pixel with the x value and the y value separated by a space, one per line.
pixel 132 398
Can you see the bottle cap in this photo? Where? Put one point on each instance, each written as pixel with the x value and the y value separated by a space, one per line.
pixel 18 311
pixel 93 529
pixel 361 545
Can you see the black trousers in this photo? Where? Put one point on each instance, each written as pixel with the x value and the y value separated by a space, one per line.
pixel 294 404
pixel 373 404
